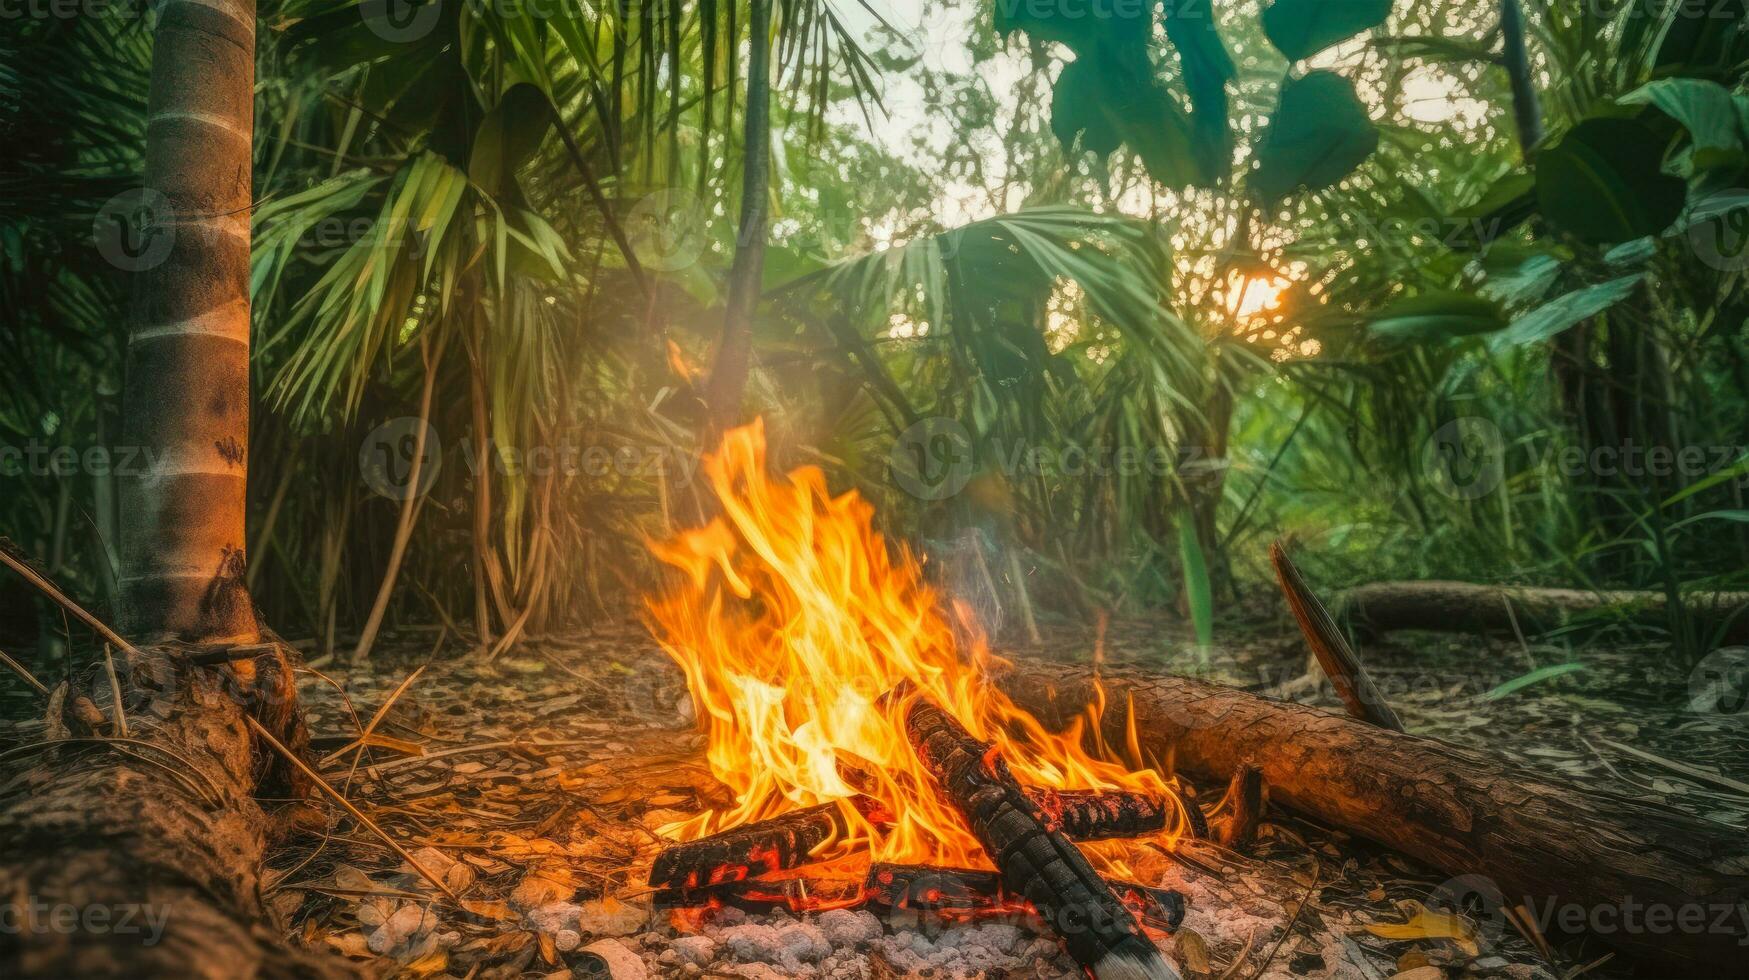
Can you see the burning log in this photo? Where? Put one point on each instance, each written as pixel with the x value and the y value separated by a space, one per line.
pixel 1034 860
pixel 1542 842
pixel 959 894
pixel 778 844
pixel 788 841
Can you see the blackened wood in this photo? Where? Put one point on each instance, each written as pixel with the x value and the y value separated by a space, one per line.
pixel 964 893
pixel 1335 655
pixel 1084 815
pixel 778 844
pixel 1037 863
pixel 785 842
pixel 1541 840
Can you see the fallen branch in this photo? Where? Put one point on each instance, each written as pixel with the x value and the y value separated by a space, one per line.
pixel 1338 659
pixel 1543 842
pixel 1465 607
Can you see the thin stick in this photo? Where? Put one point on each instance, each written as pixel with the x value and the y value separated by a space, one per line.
pixel 346 805
pixel 1338 659
pixel 121 715
pixel 376 718
pixel 48 588
pixel 18 669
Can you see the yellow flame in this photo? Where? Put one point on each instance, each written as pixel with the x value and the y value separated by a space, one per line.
pixel 791 618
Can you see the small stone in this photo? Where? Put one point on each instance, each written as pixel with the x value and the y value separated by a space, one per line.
pixel 566 940
pixel 802 943
pixel 697 950
pixel 401 930
pixel 844 927
pixel 555 917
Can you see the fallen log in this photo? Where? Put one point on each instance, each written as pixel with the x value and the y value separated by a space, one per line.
pixel 139 856
pixel 787 842
pixel 1466 607
pixel 1570 855
pixel 1035 862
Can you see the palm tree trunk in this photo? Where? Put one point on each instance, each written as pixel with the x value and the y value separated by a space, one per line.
pixel 728 380
pixel 186 403
pixel 96 827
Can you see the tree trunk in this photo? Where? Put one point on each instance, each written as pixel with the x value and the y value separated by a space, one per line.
pixel 1556 848
pixel 728 379
pixel 186 401
pixel 139 856
pixel 1468 607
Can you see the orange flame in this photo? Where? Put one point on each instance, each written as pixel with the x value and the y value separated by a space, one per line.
pixel 792 619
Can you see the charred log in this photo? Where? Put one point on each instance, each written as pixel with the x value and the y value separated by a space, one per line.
pixel 959 894
pixel 1540 841
pixel 1033 860
pixel 787 842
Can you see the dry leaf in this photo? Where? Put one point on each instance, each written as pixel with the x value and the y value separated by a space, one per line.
pixel 1428 924
pixel 1192 952
pixel 1420 973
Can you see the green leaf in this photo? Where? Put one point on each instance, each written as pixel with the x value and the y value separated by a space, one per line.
pixel 1319 133
pixel 1558 315
pixel 1106 106
pixel 1437 316
pixel 1604 182
pixel 1706 109
pixel 1207 68
pixel 508 137
pixel 1734 516
pixel 1302 28
pixel 1506 204
pixel 1534 677
pixel 1197 592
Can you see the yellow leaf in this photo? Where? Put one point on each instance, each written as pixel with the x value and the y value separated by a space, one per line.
pixel 1428 924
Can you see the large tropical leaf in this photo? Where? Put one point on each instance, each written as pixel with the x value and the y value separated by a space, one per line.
pixel 1437 316
pixel 1318 135
pixel 1562 314
pixel 1604 182
pixel 1302 28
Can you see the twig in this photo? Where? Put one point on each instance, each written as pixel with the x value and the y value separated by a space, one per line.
pixel 18 668
pixel 1293 923
pixel 346 805
pixel 1692 772
pixel 1340 662
pixel 48 588
pixel 121 715
pixel 358 743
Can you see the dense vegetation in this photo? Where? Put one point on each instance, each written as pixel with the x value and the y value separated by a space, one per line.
pixel 1091 307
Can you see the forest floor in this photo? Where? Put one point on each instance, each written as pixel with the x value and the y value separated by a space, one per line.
pixel 539 782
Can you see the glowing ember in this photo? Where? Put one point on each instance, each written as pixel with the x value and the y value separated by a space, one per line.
pixel 792 620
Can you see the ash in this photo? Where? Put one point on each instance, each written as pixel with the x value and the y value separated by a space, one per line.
pixel 848 944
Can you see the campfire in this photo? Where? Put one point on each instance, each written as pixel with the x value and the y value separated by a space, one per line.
pixel 871 761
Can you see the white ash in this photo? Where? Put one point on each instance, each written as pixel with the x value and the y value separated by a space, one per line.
pixel 846 945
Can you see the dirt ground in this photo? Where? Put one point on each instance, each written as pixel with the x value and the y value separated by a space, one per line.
pixel 532 788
